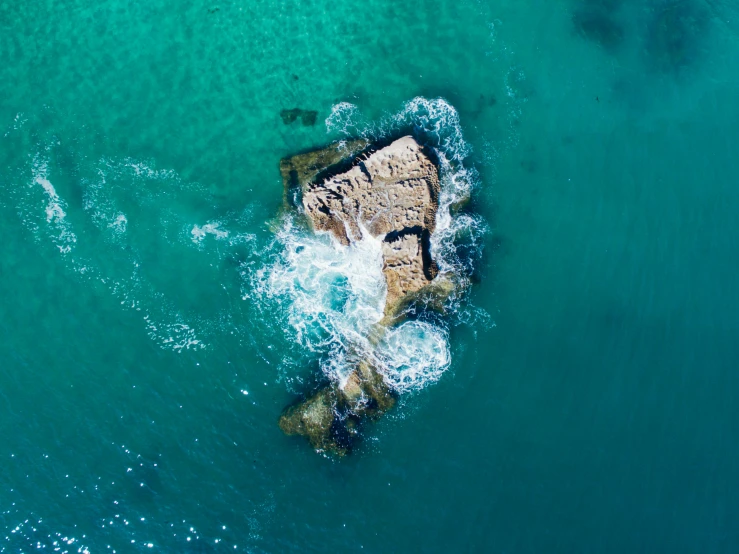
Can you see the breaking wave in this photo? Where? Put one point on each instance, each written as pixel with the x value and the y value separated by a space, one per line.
pixel 331 297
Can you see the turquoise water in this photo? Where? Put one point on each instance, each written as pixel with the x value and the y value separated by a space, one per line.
pixel 591 400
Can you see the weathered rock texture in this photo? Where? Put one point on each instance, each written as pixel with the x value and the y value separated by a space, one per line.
pixel 330 419
pixel 300 170
pixel 391 193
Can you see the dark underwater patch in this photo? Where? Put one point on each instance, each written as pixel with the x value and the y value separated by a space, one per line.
pixel 675 33
pixel 529 165
pixel 484 102
pixel 598 21
pixel 307 117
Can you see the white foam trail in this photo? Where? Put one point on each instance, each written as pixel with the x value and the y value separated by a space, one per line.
pixel 142 169
pixel 177 336
pixel 18 122
pixel 211 228
pixel 102 208
pixel 55 213
pixel 44 212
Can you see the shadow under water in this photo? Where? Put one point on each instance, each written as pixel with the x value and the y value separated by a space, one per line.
pixel 599 22
pixel 676 30
pixel 307 117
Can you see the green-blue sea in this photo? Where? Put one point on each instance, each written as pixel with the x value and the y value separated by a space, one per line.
pixel 158 308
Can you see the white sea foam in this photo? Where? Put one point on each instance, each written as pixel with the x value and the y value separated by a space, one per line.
pixel 211 228
pixel 119 224
pixel 142 169
pixel 99 203
pixel 344 118
pixel 18 122
pixel 63 237
pixel 331 297
pixel 413 355
pixel 43 210
pixel 173 335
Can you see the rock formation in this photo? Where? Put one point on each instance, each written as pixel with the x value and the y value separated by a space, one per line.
pixel 391 193
pixel 330 419
pixel 300 170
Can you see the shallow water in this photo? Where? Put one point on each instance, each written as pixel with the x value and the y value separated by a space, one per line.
pixel 590 400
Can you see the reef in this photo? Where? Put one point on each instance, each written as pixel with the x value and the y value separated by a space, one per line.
pixel 351 190
pixel 307 117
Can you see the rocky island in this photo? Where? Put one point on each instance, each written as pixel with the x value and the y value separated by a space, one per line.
pixel 349 189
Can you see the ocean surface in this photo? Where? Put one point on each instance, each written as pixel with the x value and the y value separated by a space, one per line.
pixel 159 309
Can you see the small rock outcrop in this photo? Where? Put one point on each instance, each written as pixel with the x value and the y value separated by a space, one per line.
pixel 331 418
pixel 391 193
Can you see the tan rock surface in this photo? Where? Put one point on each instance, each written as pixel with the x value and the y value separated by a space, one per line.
pixel 299 170
pixel 392 194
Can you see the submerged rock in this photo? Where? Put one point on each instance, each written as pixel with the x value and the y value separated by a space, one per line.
pixel 330 418
pixel 307 117
pixel 314 418
pixel 434 297
pixel 391 193
pixel 598 21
